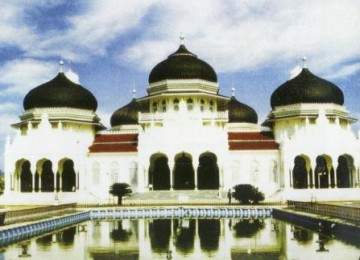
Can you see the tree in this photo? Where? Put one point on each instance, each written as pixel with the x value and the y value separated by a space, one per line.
pixel 2 185
pixel 120 190
pixel 246 194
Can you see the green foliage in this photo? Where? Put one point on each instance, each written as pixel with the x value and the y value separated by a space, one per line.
pixel 2 185
pixel 120 190
pixel 246 194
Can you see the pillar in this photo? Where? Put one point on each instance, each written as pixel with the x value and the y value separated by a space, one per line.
pixel 55 181
pixel 33 172
pixel 195 166
pixel 313 166
pixel 335 165
pixel 171 164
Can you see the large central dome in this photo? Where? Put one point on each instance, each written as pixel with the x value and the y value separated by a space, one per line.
pixel 182 65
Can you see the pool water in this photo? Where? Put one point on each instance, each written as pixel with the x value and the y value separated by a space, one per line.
pixel 254 238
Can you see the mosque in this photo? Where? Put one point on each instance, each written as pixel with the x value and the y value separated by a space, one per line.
pixel 183 135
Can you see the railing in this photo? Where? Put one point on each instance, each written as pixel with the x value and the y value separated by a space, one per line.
pixel 338 211
pixel 160 116
pixel 15 216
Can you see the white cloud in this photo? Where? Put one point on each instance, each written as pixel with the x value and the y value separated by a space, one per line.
pixel 239 36
pixel 344 71
pixel 19 76
pixel 73 76
pixel 8 116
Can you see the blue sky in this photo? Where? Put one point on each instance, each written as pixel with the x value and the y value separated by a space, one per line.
pixel 111 46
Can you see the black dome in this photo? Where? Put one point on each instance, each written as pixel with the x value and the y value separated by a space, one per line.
pixel 60 92
pixel 307 88
pixel 182 65
pixel 241 113
pixel 127 115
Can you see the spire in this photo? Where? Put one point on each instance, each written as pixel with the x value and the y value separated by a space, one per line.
pixel 182 38
pixel 304 60
pixel 134 92
pixel 61 63
pixel 233 92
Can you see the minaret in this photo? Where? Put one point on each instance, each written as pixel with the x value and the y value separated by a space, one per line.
pixel 61 63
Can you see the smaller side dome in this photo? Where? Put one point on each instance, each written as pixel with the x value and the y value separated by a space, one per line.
pixel 126 115
pixel 60 92
pixel 307 88
pixel 241 113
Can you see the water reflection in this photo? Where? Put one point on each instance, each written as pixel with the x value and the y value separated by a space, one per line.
pixel 185 239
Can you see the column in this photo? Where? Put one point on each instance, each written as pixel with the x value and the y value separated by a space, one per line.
pixel 55 181
pixel 195 165
pixel 171 167
pixel 313 166
pixel 60 180
pixel 335 165
pixel 329 166
pixel 33 173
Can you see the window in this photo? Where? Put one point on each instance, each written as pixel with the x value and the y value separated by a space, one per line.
pixel 163 105
pixel 176 105
pixel 190 104
pixel 211 106
pixel 202 105
pixel 155 107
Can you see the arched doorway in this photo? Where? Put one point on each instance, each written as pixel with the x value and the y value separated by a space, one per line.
pixel 300 173
pixel 184 173
pixel 208 172
pixel 47 177
pixel 324 173
pixel 159 172
pixel 25 177
pixel 68 177
pixel 344 171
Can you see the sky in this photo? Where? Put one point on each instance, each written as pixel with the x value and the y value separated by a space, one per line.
pixel 110 47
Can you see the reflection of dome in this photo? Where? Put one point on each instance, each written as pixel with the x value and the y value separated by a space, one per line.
pixel 241 113
pixel 306 88
pixel 60 92
pixel 127 115
pixel 182 65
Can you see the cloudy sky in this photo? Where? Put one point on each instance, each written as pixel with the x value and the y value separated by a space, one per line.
pixel 111 46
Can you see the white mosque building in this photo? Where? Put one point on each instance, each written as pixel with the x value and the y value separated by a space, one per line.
pixel 184 136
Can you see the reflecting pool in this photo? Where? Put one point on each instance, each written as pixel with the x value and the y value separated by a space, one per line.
pixel 184 239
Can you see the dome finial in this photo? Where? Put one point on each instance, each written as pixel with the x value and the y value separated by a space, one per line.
pixel 61 63
pixel 233 92
pixel 304 60
pixel 182 38
pixel 134 92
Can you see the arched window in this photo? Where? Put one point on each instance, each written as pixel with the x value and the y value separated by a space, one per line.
pixel 211 106
pixel 202 105
pixel 190 104
pixel 274 172
pixel 176 105
pixel 114 173
pixel 155 107
pixel 133 167
pixel 163 105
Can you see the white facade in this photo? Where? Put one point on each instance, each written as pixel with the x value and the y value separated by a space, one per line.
pixel 183 139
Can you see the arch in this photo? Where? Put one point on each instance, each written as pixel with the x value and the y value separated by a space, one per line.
pixel 184 175
pixel 190 104
pixel 44 177
pixel 96 173
pixel 133 169
pixel 114 172
pixel 159 172
pixel 301 171
pixel 344 171
pixel 324 173
pixel 24 175
pixel 208 172
pixel 68 175
pixel 176 104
